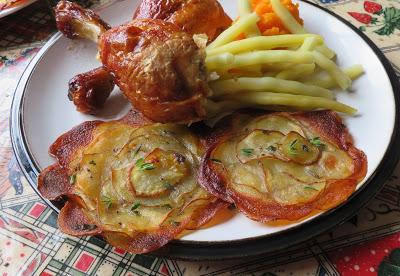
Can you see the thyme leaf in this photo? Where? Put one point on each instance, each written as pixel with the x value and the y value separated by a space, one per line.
pixel 137 151
pixel 168 185
pixel 271 148
pixel 311 188
pixel 135 206
pixel 247 152
pixel 292 148
pixel 72 179
pixel 137 213
pixel 216 160
pixel 316 141
pixel 107 201
pixel 144 166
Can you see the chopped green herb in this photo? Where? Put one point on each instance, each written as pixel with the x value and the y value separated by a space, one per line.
pixel 292 148
pixel 168 206
pixel 135 206
pixel 72 179
pixel 92 163
pixel 232 206
pixel 85 227
pixel 271 148
pixel 137 213
pixel 168 185
pixel 216 160
pixel 137 151
pixel 168 132
pixel 310 188
pixel 175 223
pixel 247 152
pixel 305 148
pixel 147 166
pixel 139 162
pixel 316 141
pixel 144 166
pixel 107 201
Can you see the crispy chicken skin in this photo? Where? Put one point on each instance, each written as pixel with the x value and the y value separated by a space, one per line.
pixel 76 22
pixel 192 16
pixel 89 91
pixel 156 64
pixel 159 68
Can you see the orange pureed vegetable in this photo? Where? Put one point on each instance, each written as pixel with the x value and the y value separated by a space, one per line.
pixel 270 24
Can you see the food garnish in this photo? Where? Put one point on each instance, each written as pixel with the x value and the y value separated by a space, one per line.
pixel 247 152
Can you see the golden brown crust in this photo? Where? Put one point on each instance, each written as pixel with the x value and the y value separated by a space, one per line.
pixel 210 179
pixel 67 144
pixel 147 242
pixel 192 16
pixel 49 176
pixel 73 221
pixel 177 85
pixel 89 91
pixel 144 242
pixel 202 216
pixel 213 177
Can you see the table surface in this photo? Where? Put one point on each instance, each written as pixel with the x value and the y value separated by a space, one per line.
pixel 31 244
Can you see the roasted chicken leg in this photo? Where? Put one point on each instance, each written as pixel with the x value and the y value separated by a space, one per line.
pixel 158 67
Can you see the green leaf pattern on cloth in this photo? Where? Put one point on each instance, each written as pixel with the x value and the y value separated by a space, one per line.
pixel 391 21
pixel 388 19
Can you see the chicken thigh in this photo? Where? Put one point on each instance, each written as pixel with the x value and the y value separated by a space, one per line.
pixel 191 16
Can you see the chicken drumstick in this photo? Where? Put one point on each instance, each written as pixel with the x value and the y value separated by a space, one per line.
pixel 159 67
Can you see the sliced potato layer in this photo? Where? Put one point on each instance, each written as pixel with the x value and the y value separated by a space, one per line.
pixel 283 165
pixel 132 181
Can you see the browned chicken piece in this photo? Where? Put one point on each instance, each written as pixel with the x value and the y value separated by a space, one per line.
pixel 76 22
pixel 159 68
pixel 89 91
pixel 192 16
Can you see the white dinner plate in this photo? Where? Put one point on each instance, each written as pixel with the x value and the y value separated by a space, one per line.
pixel 41 112
pixel 8 11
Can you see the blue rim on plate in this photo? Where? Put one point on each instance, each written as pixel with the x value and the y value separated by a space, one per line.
pixel 197 251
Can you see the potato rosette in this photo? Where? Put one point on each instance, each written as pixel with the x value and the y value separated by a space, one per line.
pixel 282 165
pixel 131 181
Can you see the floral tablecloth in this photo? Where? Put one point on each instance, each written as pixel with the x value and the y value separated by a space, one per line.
pixel 31 244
